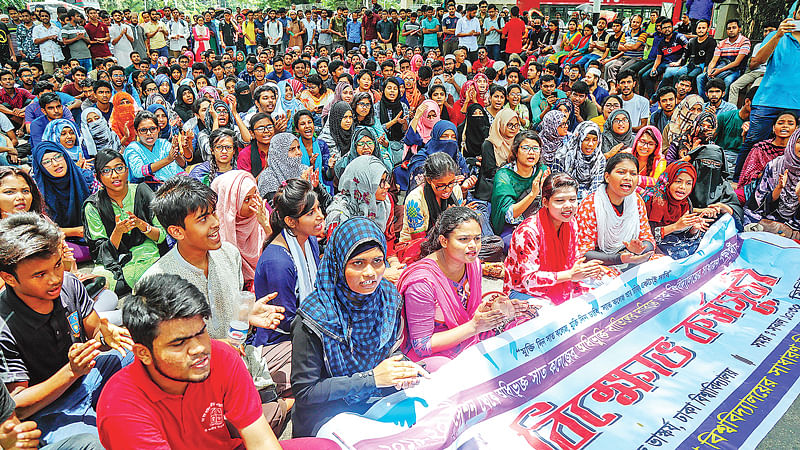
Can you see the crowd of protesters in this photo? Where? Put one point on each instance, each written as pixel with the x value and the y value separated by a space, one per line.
pixel 213 224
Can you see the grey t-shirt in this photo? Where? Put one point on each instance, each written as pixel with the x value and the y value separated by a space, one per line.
pixel 78 49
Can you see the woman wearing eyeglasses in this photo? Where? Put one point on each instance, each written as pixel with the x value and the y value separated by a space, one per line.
pixel 123 234
pixel 364 142
pixel 517 187
pixel 223 157
pixel 253 158
pixel 647 150
pixel 151 158
pixel 426 202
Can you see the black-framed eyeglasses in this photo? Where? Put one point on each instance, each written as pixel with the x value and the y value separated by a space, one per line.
pixel 148 130
pixel 118 169
pixel 445 186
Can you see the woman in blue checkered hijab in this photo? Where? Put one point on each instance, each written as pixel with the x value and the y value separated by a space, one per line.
pixel 345 331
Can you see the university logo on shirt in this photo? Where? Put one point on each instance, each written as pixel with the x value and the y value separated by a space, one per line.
pixel 75 324
pixel 213 417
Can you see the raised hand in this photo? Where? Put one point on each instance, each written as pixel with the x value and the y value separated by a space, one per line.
pixel 264 315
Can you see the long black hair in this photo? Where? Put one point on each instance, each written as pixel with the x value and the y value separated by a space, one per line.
pixel 448 221
pixel 294 199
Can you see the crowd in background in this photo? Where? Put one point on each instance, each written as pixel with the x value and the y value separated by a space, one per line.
pixel 212 224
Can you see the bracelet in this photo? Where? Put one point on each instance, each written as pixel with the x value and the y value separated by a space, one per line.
pixel 148 229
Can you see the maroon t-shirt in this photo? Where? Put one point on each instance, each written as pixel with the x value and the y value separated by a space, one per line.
pixel 99 50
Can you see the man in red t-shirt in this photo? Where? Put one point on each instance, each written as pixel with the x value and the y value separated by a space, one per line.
pixel 98 35
pixel 514 31
pixel 184 391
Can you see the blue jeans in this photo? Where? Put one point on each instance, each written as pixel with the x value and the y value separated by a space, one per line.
pixel 494 51
pixel 648 80
pixel 163 51
pixel 584 62
pixel 672 74
pixel 86 63
pixel 729 76
pixel 251 49
pixel 74 411
pixel 762 118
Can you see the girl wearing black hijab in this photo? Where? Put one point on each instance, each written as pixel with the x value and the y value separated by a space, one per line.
pixel 184 102
pixel 244 98
pixel 475 132
pixel 392 112
pixel 337 133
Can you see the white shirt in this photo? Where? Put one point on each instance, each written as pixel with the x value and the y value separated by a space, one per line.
pixel 50 50
pixel 124 47
pixel 310 27
pixel 465 25
pixel 638 107
pixel 178 35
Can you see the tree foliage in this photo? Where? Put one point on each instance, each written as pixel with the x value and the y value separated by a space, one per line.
pixel 756 14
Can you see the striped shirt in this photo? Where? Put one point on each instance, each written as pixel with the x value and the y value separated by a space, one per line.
pixel 730 50
pixel 630 38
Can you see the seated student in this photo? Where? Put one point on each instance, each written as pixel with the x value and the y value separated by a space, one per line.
pixel 682 119
pixel 65 133
pixel 222 159
pixel 764 152
pixel 417 136
pixel 64 187
pixel 288 265
pixel 253 157
pixel 150 158
pixel 553 130
pixel 495 151
pixel 713 191
pixel 52 109
pixel 700 133
pixel 345 332
pixel 443 139
pixel 186 208
pixel 774 205
pixel 210 386
pixel 612 221
pixel 122 116
pixel 731 128
pixel 53 337
pixel 363 192
pixel 284 162
pixel 584 107
pixel 123 234
pixel 715 92
pixel 426 202
pixel 96 133
pixel 244 219
pixel 543 259
pixel 544 100
pixel 364 142
pixel 647 150
pixel 18 192
pixel 338 131
pixel 677 229
pixel 666 97
pixel 443 306
pixel 314 152
pixel 516 191
pixel 581 157
pixel 616 129
pixel 515 104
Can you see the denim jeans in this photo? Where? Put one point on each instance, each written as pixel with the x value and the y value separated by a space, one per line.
pixel 251 49
pixel 672 74
pixel 494 51
pixel 86 63
pixel 584 62
pixel 729 76
pixel 762 118
pixel 163 51
pixel 74 411
pixel 648 81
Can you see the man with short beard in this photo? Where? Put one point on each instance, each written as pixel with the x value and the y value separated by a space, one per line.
pixel 544 99
pixel 637 106
pixel 596 93
pixel 728 60
pixel 666 97
pixel 139 37
pixel 683 87
pixel 122 39
pixel 715 92
pixel 179 32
